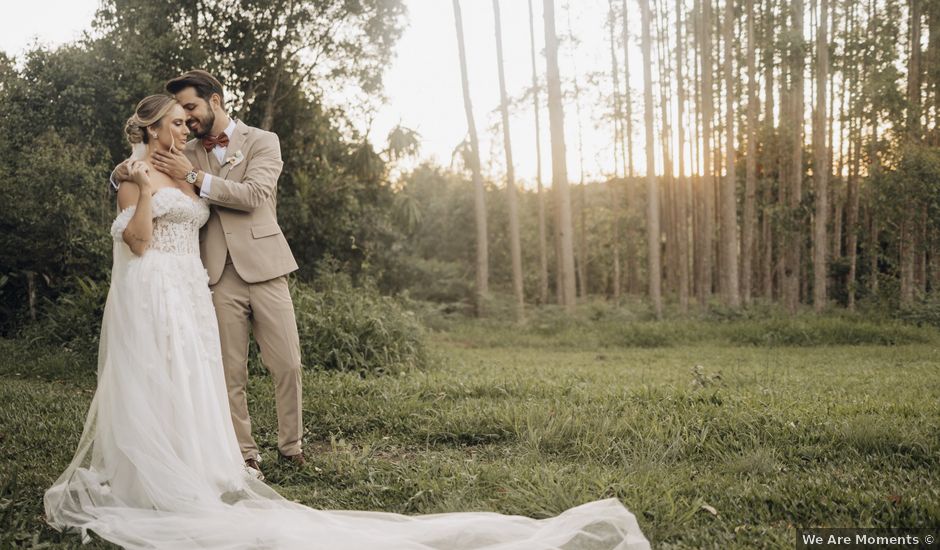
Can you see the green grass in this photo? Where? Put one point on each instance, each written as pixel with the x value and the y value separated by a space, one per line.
pixel 770 434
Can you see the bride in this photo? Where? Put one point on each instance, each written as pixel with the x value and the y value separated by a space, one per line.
pixel 158 464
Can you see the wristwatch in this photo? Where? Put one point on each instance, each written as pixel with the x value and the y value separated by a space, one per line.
pixel 191 177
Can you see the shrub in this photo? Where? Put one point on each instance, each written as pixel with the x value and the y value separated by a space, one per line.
pixel 349 328
pixel 73 320
pixel 924 313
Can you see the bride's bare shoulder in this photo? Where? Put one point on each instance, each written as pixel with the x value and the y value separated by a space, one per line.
pixel 127 195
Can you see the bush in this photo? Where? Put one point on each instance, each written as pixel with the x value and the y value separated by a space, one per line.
pixel 341 327
pixel 355 329
pixel 434 280
pixel 598 327
pixel 925 313
pixel 829 331
pixel 73 320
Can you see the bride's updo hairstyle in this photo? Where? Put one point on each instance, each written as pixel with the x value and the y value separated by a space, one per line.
pixel 149 112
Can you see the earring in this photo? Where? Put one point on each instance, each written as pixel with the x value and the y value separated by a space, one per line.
pixel 153 135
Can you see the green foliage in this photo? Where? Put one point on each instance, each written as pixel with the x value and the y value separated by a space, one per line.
pixel 72 321
pixel 327 206
pixel 53 219
pixel 348 328
pixel 434 259
pixel 824 331
pixel 606 327
pixel 62 113
pixel 926 313
pixel 912 185
pixel 265 53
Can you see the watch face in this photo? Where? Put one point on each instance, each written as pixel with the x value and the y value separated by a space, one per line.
pixel 191 177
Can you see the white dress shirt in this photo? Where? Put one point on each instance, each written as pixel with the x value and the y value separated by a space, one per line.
pixel 219 153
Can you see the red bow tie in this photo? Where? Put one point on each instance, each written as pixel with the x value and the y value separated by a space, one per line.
pixel 211 141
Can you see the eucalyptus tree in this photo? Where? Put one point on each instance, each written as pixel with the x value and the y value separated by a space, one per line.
pixel 632 212
pixel 750 177
pixel 515 248
pixel 543 243
pixel 728 195
pixel 820 163
pixel 652 198
pixel 560 189
pixel 482 253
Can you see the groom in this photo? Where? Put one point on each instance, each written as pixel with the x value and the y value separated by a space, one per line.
pixel 235 167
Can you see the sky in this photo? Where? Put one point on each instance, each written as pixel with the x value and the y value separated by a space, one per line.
pixel 423 83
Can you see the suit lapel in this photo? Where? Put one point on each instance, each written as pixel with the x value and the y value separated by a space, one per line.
pixel 202 158
pixel 235 144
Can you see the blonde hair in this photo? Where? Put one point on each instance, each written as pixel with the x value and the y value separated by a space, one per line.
pixel 149 112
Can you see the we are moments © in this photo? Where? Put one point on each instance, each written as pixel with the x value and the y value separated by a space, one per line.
pixel 861 538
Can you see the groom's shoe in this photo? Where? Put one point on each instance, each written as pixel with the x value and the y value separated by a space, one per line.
pixel 297 459
pixel 254 468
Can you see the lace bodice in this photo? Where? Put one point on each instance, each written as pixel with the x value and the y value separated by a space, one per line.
pixel 176 221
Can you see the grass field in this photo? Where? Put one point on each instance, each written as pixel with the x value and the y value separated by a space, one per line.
pixel 712 442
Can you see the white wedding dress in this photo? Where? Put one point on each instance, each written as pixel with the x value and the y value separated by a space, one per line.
pixel 158 465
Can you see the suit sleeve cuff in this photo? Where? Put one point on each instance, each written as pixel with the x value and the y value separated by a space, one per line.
pixel 206 185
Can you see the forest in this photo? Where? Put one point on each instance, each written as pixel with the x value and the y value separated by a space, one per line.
pixel 775 152
pixel 764 233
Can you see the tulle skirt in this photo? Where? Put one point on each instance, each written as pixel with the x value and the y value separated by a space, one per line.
pixel 158 464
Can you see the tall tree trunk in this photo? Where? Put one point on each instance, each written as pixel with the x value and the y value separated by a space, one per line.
pixel 783 181
pixel 933 83
pixel 633 271
pixel 543 243
pixel 729 213
pixel 615 201
pixel 874 244
pixel 750 177
pixel 907 228
pixel 514 246
pixel 851 215
pixel 667 183
pixel 820 163
pixel 795 241
pixel 852 191
pixel 482 274
pixel 839 199
pixel 681 181
pixel 652 198
pixel 560 188
pixel 696 195
pixel 704 276
pixel 581 248
pixel 836 182
pixel 770 158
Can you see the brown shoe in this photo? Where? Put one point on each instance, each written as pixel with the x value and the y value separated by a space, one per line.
pixel 297 459
pixel 254 468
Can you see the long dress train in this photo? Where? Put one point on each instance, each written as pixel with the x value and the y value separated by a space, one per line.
pixel 158 465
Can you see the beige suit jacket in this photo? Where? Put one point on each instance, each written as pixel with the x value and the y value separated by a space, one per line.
pixel 243 207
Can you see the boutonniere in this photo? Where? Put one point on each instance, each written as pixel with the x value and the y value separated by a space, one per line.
pixel 235 159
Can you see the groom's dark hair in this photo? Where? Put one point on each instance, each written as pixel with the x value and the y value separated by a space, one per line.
pixel 204 83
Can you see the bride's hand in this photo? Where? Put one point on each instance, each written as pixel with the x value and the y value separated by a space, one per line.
pixel 139 173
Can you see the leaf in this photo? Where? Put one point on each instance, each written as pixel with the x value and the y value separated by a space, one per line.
pixel 710 509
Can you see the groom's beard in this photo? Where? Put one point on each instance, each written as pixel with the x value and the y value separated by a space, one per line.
pixel 205 126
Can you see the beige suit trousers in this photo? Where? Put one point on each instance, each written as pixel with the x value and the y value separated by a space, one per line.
pixel 268 309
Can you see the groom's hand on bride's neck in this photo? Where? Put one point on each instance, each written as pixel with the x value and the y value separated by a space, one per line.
pixel 172 163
